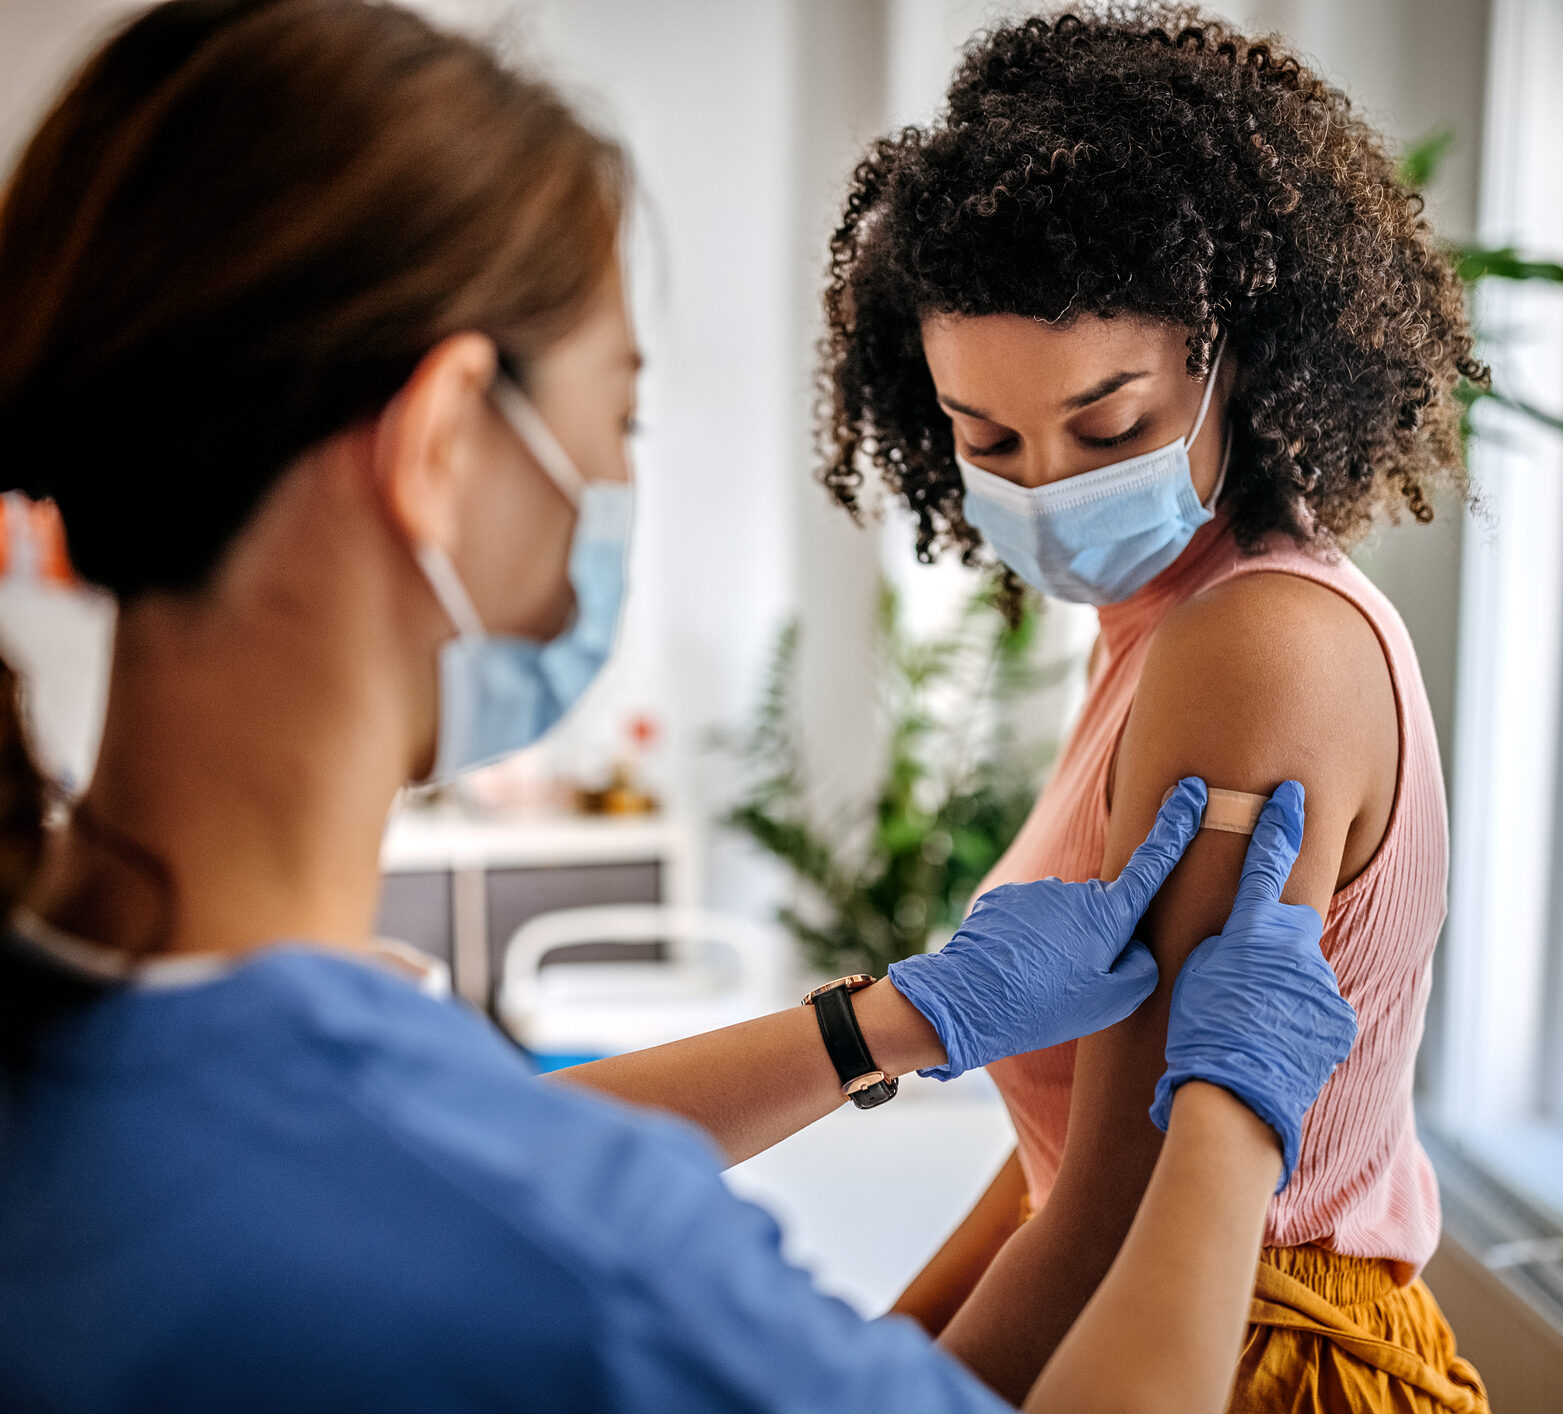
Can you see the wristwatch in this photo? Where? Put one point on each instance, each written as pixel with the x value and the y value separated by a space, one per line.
pixel 862 1082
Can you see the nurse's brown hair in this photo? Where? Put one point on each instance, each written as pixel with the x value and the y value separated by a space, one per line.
pixel 236 233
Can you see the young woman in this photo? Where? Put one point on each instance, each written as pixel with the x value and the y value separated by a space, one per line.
pixel 314 331
pixel 1149 314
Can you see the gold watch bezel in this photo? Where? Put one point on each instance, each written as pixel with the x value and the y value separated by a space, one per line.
pixel 853 982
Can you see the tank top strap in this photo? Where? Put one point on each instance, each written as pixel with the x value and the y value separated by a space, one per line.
pixel 1334 571
pixel 1419 803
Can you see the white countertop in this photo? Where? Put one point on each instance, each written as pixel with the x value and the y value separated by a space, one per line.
pixel 449 838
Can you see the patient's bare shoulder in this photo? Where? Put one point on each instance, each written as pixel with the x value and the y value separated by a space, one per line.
pixel 1265 678
pixel 1273 654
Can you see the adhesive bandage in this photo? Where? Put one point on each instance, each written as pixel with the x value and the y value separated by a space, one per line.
pixel 1235 811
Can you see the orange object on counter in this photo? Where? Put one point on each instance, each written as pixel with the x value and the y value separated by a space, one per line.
pixel 32 533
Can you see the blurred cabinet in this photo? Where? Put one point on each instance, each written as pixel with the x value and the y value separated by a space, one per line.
pixel 415 907
pixel 516 896
pixel 459 887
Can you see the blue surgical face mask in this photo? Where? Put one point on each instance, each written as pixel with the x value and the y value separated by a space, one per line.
pixel 1098 537
pixel 499 693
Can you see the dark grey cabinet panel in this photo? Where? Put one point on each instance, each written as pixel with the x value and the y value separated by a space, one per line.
pixel 515 895
pixel 416 908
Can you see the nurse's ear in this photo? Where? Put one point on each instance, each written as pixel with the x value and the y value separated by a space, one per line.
pixel 424 441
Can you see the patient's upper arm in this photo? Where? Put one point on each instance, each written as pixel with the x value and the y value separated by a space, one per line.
pixel 1267 678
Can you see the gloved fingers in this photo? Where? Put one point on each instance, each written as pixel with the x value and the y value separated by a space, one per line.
pixel 1278 935
pixel 1312 971
pixel 1273 849
pixel 1108 997
pixel 1346 1027
pixel 1134 975
pixel 1303 920
pixel 1177 822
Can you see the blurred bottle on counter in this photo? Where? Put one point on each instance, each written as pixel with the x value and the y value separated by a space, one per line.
pixel 528 783
pixel 626 785
pixel 578 774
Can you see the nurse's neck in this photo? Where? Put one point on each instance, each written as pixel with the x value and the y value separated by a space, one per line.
pixel 256 736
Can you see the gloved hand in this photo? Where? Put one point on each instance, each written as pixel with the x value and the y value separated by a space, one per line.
pixel 1256 1009
pixel 1036 964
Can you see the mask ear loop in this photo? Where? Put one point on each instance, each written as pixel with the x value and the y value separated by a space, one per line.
pixel 1199 422
pixel 539 439
pixel 1221 478
pixel 449 590
pixel 1210 388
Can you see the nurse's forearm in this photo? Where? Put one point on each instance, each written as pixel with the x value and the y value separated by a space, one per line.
pixel 1164 1329
pixel 753 1084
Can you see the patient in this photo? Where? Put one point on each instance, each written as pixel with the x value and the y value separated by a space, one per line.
pixel 1150 315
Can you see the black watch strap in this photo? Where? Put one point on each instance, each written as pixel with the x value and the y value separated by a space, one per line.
pixel 862 1081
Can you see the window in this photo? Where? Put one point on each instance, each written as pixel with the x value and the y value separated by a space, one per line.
pixel 1496 1082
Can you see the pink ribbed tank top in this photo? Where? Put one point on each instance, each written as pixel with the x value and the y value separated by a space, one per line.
pixel 1363 1186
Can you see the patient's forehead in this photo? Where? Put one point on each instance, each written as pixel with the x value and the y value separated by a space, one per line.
pixel 1001 359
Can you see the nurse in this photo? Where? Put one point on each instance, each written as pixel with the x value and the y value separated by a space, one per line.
pixel 315 333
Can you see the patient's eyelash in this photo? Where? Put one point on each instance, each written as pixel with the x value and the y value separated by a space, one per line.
pixel 1122 437
pixel 998 449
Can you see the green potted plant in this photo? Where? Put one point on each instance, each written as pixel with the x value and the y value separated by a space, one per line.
pixel 1476 263
pixel 895 874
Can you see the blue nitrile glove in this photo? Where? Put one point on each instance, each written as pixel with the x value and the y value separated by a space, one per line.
pixel 1036 964
pixel 1256 1009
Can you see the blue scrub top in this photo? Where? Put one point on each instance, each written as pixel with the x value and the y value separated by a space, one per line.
pixel 304 1185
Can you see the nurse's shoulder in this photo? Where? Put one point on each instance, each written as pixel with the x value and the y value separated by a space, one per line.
pixel 302 1184
pixel 602 1240
pixel 437 1085
pixel 438 1074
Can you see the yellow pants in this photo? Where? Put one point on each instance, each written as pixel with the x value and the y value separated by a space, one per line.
pixel 1334 1335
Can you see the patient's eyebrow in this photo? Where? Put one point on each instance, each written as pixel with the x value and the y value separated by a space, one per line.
pixel 1094 394
pixel 1106 388
pixel 951 405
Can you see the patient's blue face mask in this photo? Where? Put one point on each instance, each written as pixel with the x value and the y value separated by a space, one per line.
pixel 499 693
pixel 1098 537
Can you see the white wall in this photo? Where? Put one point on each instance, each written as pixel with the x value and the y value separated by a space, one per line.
pixel 40 42
pixel 743 120
pixel 740 120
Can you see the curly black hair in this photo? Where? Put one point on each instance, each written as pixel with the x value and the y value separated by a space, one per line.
pixel 1152 162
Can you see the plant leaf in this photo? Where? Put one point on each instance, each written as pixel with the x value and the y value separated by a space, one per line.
pixel 1420 162
pixel 1503 263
